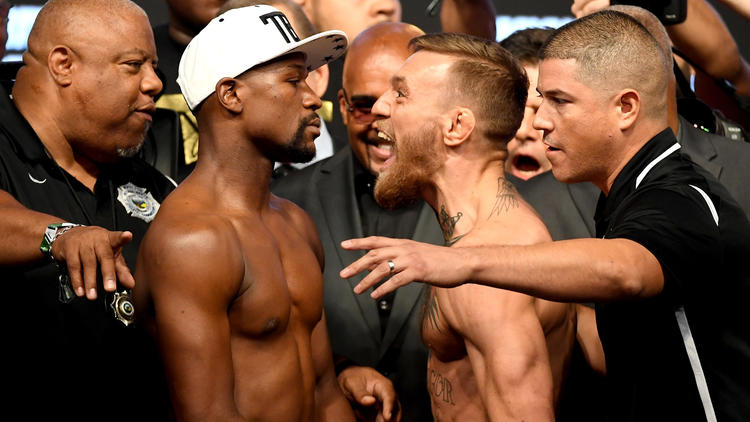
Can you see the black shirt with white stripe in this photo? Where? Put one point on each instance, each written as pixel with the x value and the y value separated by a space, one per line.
pixel 701 238
pixel 73 361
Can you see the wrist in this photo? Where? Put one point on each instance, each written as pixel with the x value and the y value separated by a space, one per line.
pixel 52 233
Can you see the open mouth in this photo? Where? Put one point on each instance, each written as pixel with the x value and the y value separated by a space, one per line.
pixel 526 163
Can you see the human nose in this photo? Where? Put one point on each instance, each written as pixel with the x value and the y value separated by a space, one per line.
pixel 541 120
pixel 382 108
pixel 526 132
pixel 310 99
pixel 389 8
pixel 151 83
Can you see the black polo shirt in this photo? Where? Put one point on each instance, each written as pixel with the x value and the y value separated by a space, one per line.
pixel 701 238
pixel 73 361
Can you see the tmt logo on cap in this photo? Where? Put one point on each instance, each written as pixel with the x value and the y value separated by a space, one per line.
pixel 277 17
pixel 243 38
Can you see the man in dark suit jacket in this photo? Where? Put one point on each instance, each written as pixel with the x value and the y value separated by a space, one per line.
pixel 337 193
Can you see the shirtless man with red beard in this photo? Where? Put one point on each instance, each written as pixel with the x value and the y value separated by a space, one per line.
pixel 489 359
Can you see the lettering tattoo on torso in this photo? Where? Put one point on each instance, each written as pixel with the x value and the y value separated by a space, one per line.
pixel 448 225
pixel 505 199
pixel 441 387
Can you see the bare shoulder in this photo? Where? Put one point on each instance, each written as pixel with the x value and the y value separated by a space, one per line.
pixel 190 247
pixel 299 220
pixel 512 221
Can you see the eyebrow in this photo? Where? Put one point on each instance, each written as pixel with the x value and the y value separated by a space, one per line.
pixel 396 79
pixel 364 98
pixel 139 52
pixel 553 92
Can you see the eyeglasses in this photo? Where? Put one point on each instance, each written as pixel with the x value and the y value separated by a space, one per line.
pixel 360 109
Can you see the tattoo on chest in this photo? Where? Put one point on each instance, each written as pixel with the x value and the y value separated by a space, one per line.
pixel 431 310
pixel 448 224
pixel 441 387
pixel 505 199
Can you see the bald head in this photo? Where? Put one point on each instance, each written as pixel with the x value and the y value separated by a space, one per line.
pixel 373 57
pixel 387 38
pixel 72 22
pixel 89 70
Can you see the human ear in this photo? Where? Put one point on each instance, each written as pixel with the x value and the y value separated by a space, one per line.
pixel 60 63
pixel 460 126
pixel 628 107
pixel 226 91
pixel 342 107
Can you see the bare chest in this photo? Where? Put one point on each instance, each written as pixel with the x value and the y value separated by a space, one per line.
pixel 282 285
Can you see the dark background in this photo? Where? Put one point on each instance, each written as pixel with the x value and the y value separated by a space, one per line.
pixel 414 12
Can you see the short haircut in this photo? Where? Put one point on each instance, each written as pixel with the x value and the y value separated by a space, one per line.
pixel 525 44
pixel 613 52
pixel 487 75
pixel 652 24
pixel 301 24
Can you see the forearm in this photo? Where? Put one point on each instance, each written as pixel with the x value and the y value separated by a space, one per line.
pixel 472 17
pixel 330 403
pixel 741 7
pixel 706 40
pixel 580 270
pixel 21 232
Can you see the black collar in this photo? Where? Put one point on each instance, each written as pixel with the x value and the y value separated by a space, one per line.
pixel 19 132
pixel 636 172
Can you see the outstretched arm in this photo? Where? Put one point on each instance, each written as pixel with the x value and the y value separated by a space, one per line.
pixel 578 270
pixel 706 40
pixel 741 7
pixel 81 249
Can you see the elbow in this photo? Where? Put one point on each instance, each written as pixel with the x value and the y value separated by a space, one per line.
pixel 623 281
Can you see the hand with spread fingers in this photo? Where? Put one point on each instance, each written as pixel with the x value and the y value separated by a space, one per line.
pixel 370 393
pixel 83 249
pixel 405 261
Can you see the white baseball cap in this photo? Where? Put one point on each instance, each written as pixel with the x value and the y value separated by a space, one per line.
pixel 242 38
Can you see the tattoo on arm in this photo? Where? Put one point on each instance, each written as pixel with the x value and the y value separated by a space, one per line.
pixel 431 312
pixel 448 224
pixel 505 199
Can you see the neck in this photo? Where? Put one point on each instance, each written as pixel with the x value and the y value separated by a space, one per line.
pixel 233 169
pixel 635 139
pixel 44 121
pixel 467 194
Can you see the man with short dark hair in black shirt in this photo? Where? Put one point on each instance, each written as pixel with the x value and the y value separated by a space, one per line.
pixel 668 273
pixel 73 209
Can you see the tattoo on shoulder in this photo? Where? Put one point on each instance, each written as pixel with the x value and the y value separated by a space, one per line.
pixel 505 199
pixel 448 224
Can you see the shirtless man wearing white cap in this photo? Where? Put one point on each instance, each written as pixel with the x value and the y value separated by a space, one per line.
pixel 229 277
